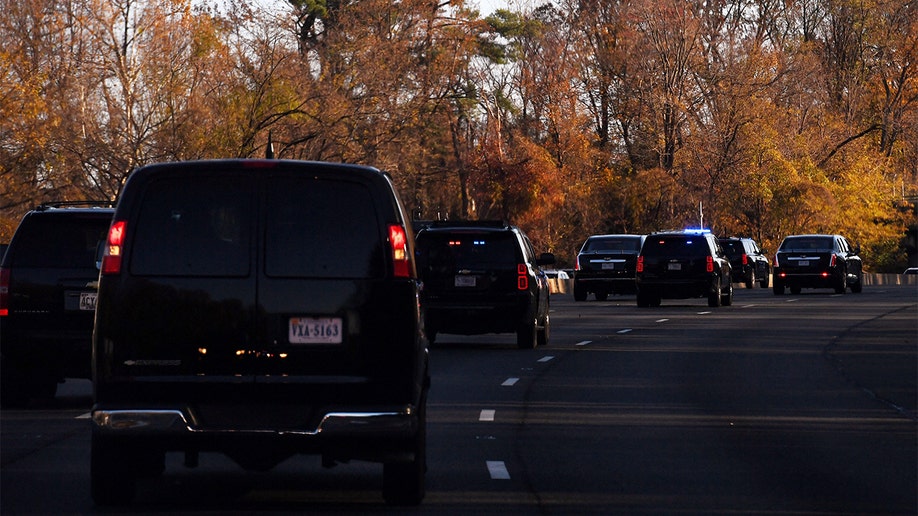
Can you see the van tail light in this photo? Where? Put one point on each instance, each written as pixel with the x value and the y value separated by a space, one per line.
pixel 398 241
pixel 710 264
pixel 111 260
pixel 4 292
pixel 640 264
pixel 832 261
pixel 522 277
pixel 745 259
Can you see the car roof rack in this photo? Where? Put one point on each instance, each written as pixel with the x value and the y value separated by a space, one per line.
pixel 74 204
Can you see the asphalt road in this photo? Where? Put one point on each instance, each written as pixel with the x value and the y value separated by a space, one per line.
pixel 778 404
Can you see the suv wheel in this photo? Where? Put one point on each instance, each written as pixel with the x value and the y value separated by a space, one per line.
pixel 750 280
pixel 403 482
pixel 764 282
pixel 18 385
pixel 601 295
pixel 727 299
pixel 526 335
pixel 714 294
pixel 842 283
pixel 543 332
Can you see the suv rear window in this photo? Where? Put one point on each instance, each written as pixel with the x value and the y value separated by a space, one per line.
pixel 194 226
pixel 469 250
pixel 321 228
pixel 60 242
pixel 612 244
pixel 676 246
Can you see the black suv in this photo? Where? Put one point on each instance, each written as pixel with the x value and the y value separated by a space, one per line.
pixel 748 261
pixel 817 261
pixel 48 280
pixel 258 308
pixel 483 277
pixel 681 265
pixel 605 265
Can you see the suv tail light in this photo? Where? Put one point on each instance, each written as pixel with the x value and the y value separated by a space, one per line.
pixel 832 261
pixel 398 241
pixel 111 260
pixel 745 259
pixel 640 264
pixel 522 277
pixel 4 292
pixel 776 259
pixel 710 263
pixel 577 263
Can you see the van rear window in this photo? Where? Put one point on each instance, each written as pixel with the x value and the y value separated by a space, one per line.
pixel 194 226
pixel 321 228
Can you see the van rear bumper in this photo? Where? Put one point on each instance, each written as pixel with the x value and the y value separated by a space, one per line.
pixel 388 422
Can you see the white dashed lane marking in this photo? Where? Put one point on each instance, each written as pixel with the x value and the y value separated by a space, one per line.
pixel 509 382
pixel 487 415
pixel 546 358
pixel 583 343
pixel 498 470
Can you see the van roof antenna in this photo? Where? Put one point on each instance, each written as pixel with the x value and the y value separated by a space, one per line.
pixel 269 150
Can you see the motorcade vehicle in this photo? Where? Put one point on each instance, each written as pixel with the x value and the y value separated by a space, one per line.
pixel 258 309
pixel 483 277
pixel 817 261
pixel 605 265
pixel 748 261
pixel 682 265
pixel 48 280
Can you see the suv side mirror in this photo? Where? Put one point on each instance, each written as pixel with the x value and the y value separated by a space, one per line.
pixel 545 259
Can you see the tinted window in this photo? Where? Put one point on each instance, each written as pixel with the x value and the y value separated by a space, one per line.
pixel 676 246
pixel 612 244
pixel 52 241
pixel 200 226
pixel 807 244
pixel 321 228
pixel 733 248
pixel 468 250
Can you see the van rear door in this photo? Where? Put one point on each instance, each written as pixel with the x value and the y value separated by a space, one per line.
pixel 184 306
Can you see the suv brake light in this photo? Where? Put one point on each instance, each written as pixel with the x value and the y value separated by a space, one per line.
pixel 745 259
pixel 398 242
pixel 710 263
pixel 4 292
pixel 640 264
pixel 111 260
pixel 522 279
pixel 832 261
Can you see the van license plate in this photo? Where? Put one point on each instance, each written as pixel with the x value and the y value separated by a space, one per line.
pixel 465 281
pixel 675 267
pixel 803 263
pixel 87 300
pixel 315 330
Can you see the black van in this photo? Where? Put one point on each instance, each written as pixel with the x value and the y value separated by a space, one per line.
pixel 258 308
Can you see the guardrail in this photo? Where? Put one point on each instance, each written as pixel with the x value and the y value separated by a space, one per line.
pixel 566 286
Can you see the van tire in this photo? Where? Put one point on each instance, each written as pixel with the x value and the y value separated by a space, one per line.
pixel 404 483
pixel 111 479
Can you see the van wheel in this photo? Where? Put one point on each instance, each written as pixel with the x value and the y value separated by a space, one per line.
pixel 404 483
pixel 111 479
pixel 526 335
pixel 601 296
